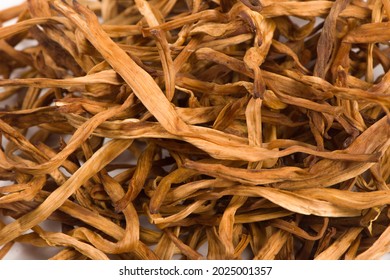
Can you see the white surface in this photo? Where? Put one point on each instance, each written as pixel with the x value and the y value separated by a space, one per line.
pixel 195 270
pixel 9 3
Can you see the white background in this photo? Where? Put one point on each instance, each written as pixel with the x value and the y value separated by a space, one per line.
pixel 9 3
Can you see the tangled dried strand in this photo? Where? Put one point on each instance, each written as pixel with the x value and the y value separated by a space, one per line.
pixel 229 129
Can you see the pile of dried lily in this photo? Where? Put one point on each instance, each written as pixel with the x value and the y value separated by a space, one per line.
pixel 196 129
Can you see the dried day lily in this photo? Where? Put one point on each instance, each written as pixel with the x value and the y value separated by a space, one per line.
pixel 196 129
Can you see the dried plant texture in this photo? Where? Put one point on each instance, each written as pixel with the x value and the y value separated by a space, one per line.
pixel 196 129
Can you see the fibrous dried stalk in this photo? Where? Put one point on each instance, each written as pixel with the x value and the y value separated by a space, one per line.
pixel 259 128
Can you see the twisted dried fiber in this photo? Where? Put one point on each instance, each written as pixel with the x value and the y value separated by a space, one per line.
pixel 196 129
